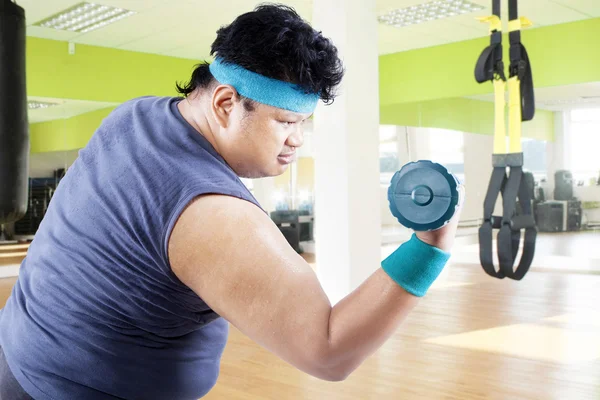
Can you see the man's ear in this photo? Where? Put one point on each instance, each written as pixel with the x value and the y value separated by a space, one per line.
pixel 224 99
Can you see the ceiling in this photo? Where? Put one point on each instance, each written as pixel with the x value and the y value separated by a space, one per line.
pixel 562 98
pixel 65 108
pixel 186 28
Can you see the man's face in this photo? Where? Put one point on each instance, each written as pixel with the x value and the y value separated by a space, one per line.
pixel 262 142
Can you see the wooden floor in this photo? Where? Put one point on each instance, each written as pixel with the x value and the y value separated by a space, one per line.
pixel 6 285
pixel 471 337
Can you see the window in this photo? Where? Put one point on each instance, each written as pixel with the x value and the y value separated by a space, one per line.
pixel 389 161
pixel 585 142
pixel 534 152
pixel 447 148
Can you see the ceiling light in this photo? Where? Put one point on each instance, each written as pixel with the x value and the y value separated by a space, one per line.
pixel 428 12
pixel 84 17
pixel 35 105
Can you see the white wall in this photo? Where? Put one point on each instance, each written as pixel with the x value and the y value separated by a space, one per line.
pixel 478 169
pixel 43 165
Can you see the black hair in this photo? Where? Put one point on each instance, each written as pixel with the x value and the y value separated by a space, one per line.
pixel 274 41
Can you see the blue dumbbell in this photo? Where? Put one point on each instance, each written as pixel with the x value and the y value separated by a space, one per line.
pixel 424 195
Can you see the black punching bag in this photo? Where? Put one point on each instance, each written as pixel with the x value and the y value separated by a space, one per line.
pixel 14 128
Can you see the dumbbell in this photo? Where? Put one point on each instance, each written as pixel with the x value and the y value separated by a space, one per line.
pixel 424 195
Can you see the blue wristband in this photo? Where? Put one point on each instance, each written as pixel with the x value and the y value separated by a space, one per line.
pixel 415 265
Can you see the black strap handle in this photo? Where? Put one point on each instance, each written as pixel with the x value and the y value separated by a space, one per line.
pixel 513 188
pixel 489 65
pixel 520 65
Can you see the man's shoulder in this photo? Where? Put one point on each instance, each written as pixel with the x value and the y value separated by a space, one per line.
pixel 145 102
pixel 143 106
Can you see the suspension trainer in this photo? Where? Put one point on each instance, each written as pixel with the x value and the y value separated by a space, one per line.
pixel 507 177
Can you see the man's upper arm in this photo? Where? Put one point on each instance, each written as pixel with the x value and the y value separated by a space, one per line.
pixel 232 255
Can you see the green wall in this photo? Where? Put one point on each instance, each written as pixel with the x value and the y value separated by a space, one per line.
pixel 560 55
pixel 66 134
pixel 99 73
pixel 422 87
pixel 463 115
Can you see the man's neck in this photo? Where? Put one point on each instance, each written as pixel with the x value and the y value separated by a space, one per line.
pixel 188 108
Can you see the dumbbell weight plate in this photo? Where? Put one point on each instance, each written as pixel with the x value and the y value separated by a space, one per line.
pixel 423 195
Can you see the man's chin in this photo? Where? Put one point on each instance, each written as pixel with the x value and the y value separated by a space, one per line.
pixel 281 169
pixel 273 172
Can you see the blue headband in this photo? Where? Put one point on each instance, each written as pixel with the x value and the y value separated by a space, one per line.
pixel 263 89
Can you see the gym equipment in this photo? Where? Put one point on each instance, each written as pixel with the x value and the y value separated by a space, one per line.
pixel 423 195
pixel 551 216
pixel 563 185
pixel 288 222
pixel 41 191
pixel 574 215
pixel 559 216
pixel 14 127
pixel 513 186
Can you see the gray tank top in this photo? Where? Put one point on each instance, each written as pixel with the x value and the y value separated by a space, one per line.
pixel 97 312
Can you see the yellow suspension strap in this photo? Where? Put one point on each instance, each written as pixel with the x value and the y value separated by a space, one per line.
pixel 514 185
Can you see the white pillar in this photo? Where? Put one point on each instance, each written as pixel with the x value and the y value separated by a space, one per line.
pixel 559 152
pixel 478 171
pixel 347 209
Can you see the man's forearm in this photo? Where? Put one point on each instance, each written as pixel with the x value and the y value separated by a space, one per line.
pixel 367 317
pixel 361 322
